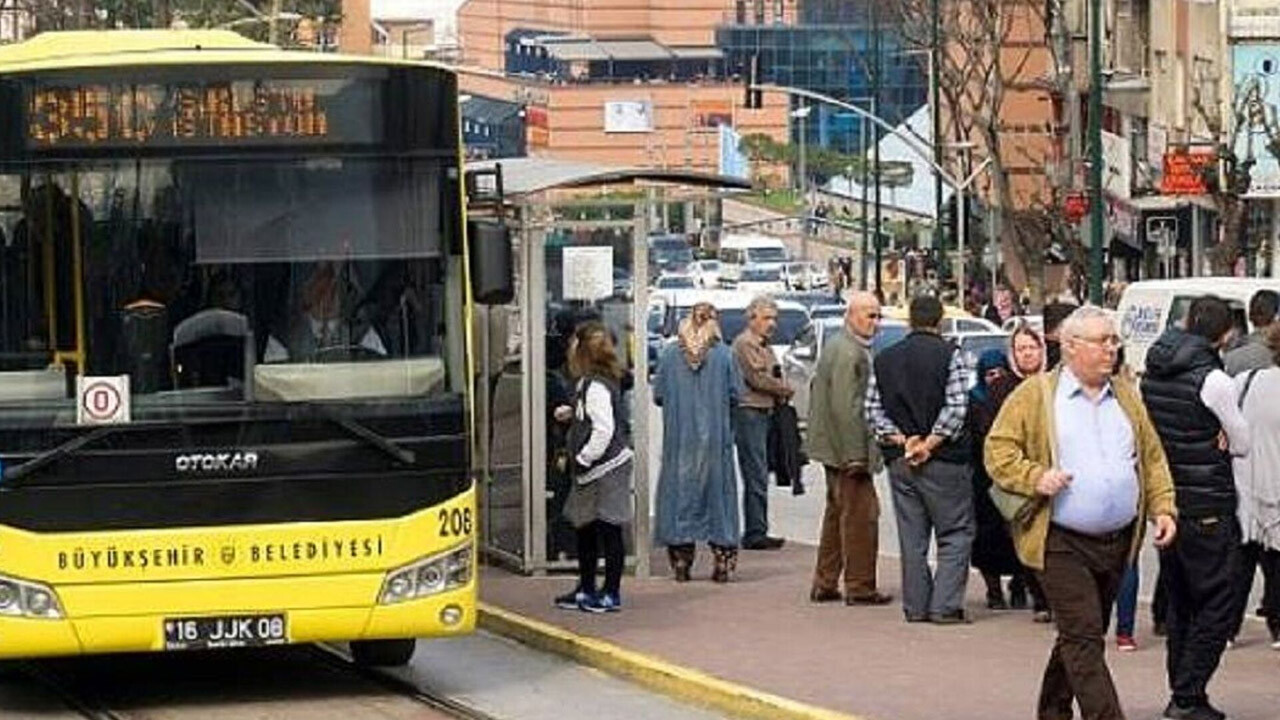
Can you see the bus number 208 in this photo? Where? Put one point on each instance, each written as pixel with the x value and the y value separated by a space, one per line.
pixel 455 522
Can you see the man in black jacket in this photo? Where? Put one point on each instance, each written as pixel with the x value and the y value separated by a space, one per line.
pixel 916 403
pixel 1193 405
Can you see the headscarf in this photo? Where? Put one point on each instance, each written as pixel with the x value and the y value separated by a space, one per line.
pixel 989 360
pixel 698 333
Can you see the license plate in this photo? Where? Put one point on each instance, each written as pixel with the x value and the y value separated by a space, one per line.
pixel 225 631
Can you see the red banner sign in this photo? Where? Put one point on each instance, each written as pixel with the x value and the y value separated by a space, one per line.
pixel 1186 171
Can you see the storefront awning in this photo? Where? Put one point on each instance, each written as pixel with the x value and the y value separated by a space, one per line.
pixel 634 50
pixel 575 50
pixel 696 53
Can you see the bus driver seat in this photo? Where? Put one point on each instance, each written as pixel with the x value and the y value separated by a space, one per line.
pixel 212 347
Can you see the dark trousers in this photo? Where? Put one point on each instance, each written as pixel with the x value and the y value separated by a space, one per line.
pixel 1251 556
pixel 596 539
pixel 933 502
pixel 751 436
pixel 1081 577
pixel 850 538
pixel 1200 572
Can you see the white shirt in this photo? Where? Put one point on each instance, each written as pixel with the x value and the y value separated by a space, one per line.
pixel 1257 474
pixel 599 407
pixel 1220 395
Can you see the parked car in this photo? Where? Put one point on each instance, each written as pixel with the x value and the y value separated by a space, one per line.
pixel 706 273
pixel 793 318
pixel 804 275
pixel 959 325
pixel 674 281
pixel 827 310
pixel 756 280
pixel 1035 321
pixel 973 344
pixel 739 252
pixel 800 361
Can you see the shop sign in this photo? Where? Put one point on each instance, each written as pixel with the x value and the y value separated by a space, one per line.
pixel 1186 171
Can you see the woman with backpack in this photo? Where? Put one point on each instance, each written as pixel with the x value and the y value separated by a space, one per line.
pixel 600 459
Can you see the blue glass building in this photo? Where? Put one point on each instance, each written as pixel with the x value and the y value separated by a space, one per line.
pixel 830 50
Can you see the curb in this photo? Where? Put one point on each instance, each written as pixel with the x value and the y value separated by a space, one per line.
pixel 675 681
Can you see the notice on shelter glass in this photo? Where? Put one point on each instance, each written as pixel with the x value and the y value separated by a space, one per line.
pixel 588 273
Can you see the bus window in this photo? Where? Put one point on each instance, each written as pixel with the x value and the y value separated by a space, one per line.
pixel 197 273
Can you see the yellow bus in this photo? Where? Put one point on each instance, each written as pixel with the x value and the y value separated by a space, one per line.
pixel 235 386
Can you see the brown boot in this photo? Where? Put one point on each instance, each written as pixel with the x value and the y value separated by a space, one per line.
pixel 726 566
pixel 681 559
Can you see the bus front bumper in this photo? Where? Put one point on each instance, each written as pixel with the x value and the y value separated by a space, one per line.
pixel 341 609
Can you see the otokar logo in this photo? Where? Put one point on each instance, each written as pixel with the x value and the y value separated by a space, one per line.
pixel 225 462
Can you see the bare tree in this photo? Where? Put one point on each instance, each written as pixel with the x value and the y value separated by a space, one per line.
pixel 1249 115
pixel 987 53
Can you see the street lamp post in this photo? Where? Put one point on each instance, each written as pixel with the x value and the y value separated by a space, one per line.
pixel 801 113
pixel 1095 152
pixel 912 142
pixel 962 216
pixel 862 254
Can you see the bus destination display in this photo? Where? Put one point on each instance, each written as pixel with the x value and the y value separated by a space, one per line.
pixel 239 112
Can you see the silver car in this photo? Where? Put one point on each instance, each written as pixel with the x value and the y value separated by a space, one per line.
pixel 800 361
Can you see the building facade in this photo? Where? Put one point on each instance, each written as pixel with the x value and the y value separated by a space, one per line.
pixel 623 82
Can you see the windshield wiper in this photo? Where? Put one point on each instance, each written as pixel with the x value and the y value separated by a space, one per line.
pixel 67 448
pixel 355 429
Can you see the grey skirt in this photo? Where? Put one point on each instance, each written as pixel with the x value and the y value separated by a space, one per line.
pixel 607 498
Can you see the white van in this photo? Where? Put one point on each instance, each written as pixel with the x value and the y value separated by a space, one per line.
pixel 739 251
pixel 1148 307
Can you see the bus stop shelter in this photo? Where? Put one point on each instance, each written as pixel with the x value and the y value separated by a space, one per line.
pixel 579 236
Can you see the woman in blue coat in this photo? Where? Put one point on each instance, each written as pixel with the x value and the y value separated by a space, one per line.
pixel 697 387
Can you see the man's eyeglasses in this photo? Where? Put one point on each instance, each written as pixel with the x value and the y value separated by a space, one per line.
pixel 1111 342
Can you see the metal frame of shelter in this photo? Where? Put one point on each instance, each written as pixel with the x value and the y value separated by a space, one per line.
pixel 549 204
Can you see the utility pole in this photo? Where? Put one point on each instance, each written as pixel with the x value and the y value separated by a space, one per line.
pixel 862 256
pixel 162 13
pixel 802 113
pixel 273 26
pixel 935 63
pixel 1095 152
pixel 877 64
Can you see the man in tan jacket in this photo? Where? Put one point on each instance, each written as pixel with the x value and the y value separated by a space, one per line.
pixel 1078 445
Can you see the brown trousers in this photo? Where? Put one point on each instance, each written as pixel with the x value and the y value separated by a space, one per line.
pixel 850 534
pixel 1081 577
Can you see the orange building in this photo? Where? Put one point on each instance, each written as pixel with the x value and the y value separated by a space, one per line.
pixel 635 115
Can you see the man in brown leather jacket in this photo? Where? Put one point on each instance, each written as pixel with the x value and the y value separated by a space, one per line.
pixel 764 389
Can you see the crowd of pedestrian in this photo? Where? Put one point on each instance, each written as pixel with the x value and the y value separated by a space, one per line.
pixel 1046 469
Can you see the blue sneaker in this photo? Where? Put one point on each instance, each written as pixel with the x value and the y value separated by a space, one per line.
pixel 574 600
pixel 603 603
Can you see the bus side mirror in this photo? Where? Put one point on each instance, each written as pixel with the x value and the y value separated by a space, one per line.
pixel 492 263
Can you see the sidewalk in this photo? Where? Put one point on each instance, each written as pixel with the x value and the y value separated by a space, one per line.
pixel 761 632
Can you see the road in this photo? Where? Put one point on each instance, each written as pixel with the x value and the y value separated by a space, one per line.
pixel 481 676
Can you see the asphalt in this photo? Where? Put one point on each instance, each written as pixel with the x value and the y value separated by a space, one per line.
pixel 763 639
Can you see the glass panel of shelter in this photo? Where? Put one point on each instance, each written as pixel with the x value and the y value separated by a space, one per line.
pixel 589 275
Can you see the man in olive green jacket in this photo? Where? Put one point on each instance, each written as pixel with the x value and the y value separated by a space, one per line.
pixel 1078 445
pixel 841 439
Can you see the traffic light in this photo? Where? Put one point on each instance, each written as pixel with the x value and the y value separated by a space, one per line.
pixel 752 97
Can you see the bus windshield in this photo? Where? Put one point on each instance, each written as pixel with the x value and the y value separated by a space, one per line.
pixel 280 280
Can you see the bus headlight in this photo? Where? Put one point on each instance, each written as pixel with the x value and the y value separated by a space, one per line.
pixel 428 576
pixel 23 598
